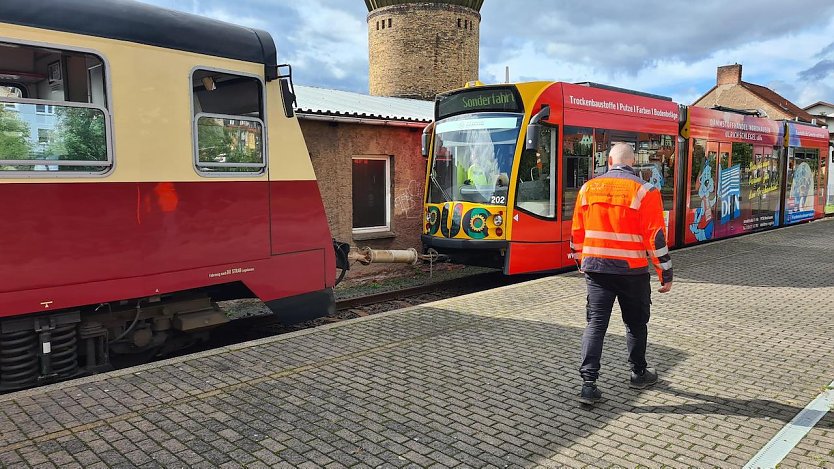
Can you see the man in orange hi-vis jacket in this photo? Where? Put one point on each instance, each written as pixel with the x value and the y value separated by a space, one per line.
pixel 618 226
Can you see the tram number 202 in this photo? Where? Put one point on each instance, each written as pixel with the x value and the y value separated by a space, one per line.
pixel 498 199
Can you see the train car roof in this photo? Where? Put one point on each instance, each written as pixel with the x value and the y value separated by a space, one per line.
pixel 132 21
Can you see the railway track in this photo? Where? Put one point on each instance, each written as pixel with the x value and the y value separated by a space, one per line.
pixel 266 325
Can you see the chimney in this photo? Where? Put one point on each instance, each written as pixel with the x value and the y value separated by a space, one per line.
pixel 729 75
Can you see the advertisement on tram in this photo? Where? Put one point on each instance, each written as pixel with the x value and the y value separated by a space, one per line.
pixel 734 174
pixel 806 175
pixel 829 201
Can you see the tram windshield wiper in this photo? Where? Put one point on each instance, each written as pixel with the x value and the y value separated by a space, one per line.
pixel 446 197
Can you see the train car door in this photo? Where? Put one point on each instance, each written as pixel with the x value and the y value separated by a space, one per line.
pixel 536 244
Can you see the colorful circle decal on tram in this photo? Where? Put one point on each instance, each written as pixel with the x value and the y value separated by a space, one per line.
pixel 432 219
pixel 475 223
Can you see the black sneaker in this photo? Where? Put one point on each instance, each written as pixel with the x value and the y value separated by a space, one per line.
pixel 643 380
pixel 590 394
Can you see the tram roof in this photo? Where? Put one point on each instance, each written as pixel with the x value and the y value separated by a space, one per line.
pixel 132 21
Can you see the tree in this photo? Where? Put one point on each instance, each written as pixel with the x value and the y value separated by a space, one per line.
pixel 14 136
pixel 80 135
pixel 228 141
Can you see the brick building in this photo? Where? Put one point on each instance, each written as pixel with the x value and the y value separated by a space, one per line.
pixel 365 149
pixel 417 49
pixel 366 154
pixel 730 91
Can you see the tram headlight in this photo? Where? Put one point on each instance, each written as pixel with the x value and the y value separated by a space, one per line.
pixel 498 220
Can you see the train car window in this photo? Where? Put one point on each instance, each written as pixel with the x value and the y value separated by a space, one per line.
pixel 228 123
pixel 537 170
pixel 53 113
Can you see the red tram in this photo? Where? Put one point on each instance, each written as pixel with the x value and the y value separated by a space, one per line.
pixel 507 161
pixel 151 165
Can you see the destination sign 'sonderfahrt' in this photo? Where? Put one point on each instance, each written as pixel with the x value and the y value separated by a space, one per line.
pixel 488 99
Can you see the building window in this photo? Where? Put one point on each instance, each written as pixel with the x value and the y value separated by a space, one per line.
pixel 383 24
pixel 44 109
pixel 44 136
pixel 389 22
pixel 228 123
pixel 458 22
pixel 377 25
pixel 465 24
pixel 371 194
pixel 65 130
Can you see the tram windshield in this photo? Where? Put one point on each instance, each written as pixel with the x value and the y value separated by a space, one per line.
pixel 473 157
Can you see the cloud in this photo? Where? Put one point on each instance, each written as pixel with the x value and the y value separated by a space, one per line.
pixel 658 46
pixel 325 41
pixel 819 71
pixel 330 45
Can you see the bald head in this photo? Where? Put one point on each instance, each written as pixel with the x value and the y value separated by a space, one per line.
pixel 621 154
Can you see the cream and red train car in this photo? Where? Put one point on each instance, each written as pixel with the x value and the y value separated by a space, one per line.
pixel 150 164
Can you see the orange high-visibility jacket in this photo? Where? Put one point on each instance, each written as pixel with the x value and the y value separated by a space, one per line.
pixel 618 226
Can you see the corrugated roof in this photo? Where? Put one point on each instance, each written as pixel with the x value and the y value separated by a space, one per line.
pixel 327 102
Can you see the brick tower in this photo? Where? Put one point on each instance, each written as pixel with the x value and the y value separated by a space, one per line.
pixel 417 48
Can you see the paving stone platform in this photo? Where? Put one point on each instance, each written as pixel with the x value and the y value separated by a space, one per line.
pixel 743 342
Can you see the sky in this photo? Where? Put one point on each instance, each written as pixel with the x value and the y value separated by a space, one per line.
pixel 666 47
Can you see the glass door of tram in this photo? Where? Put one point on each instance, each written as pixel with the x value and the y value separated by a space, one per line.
pixel 535 241
pixel 727 191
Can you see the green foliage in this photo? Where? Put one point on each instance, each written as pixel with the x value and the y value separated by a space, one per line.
pixel 14 137
pixel 229 141
pixel 80 135
pixel 742 154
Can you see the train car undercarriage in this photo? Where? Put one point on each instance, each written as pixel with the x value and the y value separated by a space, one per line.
pixel 44 348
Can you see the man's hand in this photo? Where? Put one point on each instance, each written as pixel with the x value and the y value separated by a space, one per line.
pixel 665 288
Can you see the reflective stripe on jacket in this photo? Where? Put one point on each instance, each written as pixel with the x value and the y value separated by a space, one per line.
pixel 618 226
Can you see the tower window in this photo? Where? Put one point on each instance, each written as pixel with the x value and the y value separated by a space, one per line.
pixel 377 25
pixel 389 22
pixel 458 22
pixel 465 24
pixel 383 24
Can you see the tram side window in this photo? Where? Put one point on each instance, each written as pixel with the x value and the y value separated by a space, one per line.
pixel 803 173
pixel 228 121
pixel 577 148
pixel 655 164
pixel 701 183
pixel 744 158
pixel 537 172
pixel 53 112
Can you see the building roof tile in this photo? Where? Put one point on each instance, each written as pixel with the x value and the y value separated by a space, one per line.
pixel 777 100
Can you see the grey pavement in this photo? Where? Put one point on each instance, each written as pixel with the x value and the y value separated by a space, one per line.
pixel 743 342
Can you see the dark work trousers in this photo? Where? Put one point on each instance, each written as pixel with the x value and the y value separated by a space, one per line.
pixel 633 292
